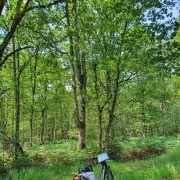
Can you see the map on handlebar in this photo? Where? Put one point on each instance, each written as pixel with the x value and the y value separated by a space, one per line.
pixel 102 157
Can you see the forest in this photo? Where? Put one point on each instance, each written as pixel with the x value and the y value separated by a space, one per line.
pixel 81 77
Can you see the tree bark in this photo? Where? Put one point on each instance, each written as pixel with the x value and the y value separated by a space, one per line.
pixel 82 90
pixel 43 113
pixel 78 68
pixel 33 84
pixel 2 4
pixel 16 70
pixel 55 119
pixel 43 124
pixel 99 108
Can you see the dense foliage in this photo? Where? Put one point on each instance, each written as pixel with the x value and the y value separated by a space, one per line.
pixel 90 71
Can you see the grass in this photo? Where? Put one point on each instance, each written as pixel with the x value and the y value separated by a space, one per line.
pixel 155 168
pixel 52 173
pixel 64 161
pixel 166 166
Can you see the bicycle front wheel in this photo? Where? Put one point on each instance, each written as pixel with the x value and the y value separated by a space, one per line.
pixel 109 175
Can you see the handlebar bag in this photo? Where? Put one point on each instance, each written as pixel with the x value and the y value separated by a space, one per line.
pixel 87 176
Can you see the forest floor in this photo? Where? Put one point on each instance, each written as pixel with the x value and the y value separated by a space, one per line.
pixel 141 159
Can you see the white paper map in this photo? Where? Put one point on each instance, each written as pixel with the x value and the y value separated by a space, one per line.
pixel 102 157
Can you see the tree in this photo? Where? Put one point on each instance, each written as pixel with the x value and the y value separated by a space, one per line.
pixel 78 68
pixel 17 13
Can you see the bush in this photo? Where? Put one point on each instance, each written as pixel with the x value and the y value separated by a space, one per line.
pixel 3 170
pixel 143 148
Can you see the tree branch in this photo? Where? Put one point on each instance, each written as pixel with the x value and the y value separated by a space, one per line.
pixel 3 92
pixel 16 21
pixel 130 77
pixel 2 3
pixel 45 6
pixel 10 54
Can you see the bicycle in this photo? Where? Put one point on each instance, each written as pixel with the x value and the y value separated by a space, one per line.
pixel 105 171
pixel 86 172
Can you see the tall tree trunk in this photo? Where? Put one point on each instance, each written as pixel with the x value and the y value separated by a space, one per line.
pixel 78 68
pixel 43 124
pixel 82 90
pixel 114 90
pixel 33 85
pixel 3 117
pixel 54 129
pixel 16 98
pixel 99 108
pixel 43 113
pixel 61 122
pixel 55 119
pixel 143 114
pixel 142 84
pixel 100 131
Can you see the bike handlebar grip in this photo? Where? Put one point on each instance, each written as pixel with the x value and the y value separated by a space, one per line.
pixel 93 158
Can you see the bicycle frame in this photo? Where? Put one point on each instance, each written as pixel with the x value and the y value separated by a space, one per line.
pixel 105 169
pixel 105 172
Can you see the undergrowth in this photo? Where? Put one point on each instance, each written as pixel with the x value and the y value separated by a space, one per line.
pixel 166 166
pixel 61 160
pixel 143 148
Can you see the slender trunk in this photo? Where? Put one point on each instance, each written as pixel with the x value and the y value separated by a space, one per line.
pixel 61 122
pixel 100 132
pixel 16 98
pixel 144 128
pixel 163 106
pixel 108 141
pixel 54 130
pixel 143 114
pixel 82 90
pixel 23 133
pixel 55 119
pixel 31 123
pixel 43 113
pixel 42 124
pixel 2 114
pixel 13 127
pixel 33 84
pixel 99 108
pixel 115 89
